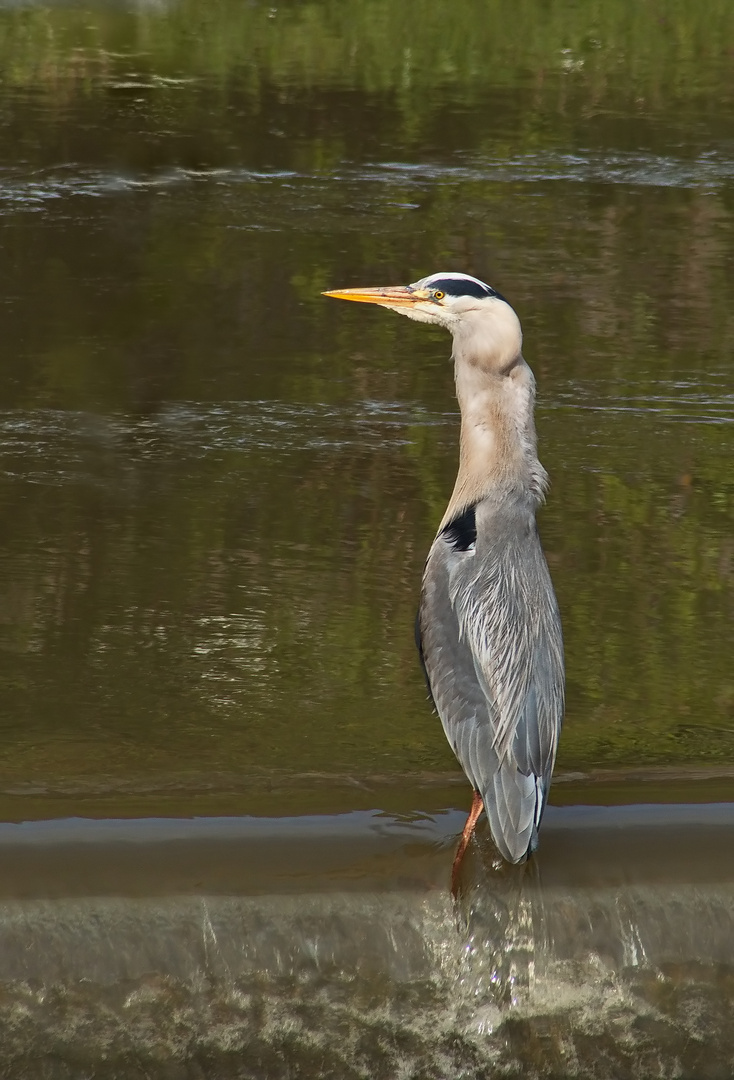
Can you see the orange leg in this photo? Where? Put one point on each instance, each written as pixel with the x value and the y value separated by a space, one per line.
pixel 476 808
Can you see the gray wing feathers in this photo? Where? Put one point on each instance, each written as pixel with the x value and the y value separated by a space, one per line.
pixel 493 653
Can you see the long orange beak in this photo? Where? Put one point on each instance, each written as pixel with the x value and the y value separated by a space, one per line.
pixel 392 296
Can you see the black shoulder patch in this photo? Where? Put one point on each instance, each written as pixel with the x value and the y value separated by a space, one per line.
pixel 461 533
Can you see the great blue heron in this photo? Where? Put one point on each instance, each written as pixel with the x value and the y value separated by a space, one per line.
pixel 488 628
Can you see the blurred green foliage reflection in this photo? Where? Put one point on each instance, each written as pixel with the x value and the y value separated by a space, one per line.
pixel 218 488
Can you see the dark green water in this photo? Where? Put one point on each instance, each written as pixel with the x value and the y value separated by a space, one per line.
pixel 217 488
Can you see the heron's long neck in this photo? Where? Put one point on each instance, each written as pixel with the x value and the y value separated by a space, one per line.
pixel 497 456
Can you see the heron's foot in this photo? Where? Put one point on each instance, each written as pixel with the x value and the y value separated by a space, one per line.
pixel 476 808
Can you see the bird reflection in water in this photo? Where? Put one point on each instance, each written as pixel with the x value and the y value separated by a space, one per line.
pixel 488 628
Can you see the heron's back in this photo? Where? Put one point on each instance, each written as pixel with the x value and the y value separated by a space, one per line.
pixel 491 644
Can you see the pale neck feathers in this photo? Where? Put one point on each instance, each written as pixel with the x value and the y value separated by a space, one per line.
pixel 495 389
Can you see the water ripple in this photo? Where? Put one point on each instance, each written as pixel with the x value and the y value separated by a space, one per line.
pixel 19 190
pixel 54 446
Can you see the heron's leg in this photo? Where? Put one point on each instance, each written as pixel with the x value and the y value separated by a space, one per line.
pixel 476 808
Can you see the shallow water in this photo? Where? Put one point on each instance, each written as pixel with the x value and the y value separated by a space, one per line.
pixel 217 489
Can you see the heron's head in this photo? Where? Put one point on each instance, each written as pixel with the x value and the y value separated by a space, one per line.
pixel 483 324
pixel 444 298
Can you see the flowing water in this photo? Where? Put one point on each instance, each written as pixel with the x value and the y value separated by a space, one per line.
pixel 227 813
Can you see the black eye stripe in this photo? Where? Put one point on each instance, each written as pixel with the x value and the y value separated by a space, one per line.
pixel 463 287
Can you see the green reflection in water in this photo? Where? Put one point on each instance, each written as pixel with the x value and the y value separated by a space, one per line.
pixel 218 489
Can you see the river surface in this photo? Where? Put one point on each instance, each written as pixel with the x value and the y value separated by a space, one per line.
pixel 227 812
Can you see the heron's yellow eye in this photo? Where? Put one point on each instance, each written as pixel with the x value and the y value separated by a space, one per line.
pixel 438 295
